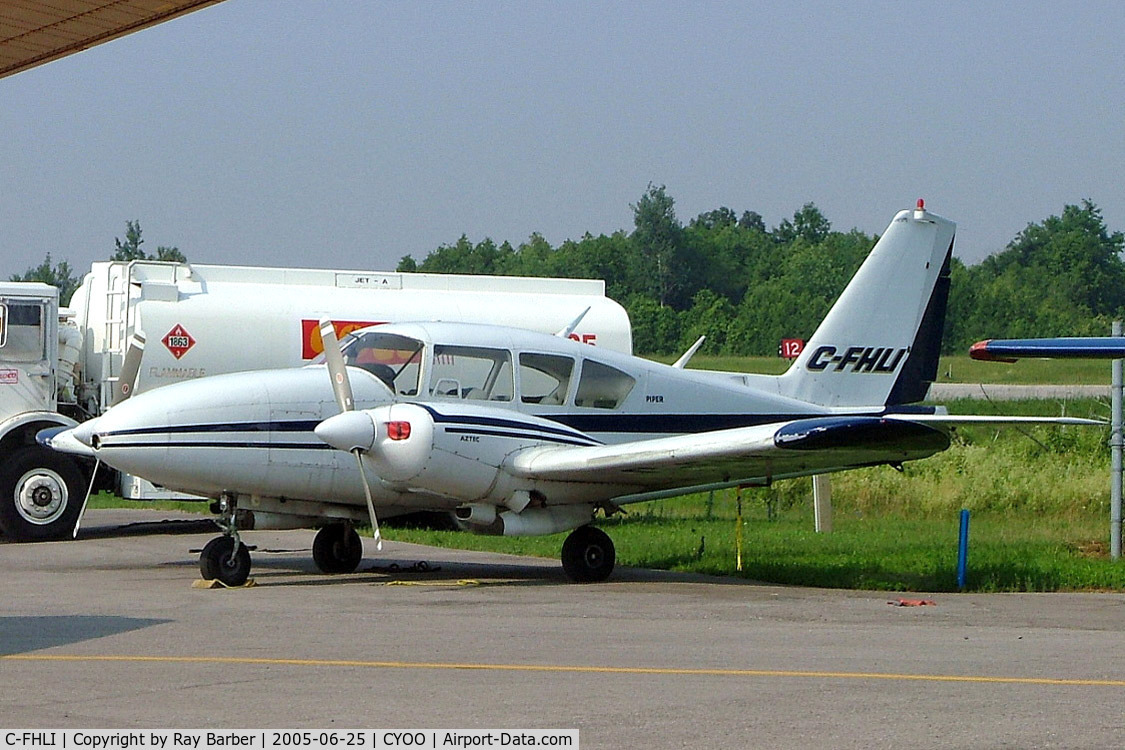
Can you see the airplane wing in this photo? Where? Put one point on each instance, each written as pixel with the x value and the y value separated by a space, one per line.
pixel 753 455
pixel 743 455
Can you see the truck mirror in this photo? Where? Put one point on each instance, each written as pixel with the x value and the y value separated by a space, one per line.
pixel 3 324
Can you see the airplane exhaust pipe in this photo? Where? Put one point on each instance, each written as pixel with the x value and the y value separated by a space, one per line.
pixel 476 514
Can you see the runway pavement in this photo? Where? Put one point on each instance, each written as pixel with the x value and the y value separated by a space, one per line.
pixel 108 632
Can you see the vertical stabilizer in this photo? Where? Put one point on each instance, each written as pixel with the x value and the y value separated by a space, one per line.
pixel 879 344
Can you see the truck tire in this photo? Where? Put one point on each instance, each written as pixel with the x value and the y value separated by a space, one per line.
pixel 41 494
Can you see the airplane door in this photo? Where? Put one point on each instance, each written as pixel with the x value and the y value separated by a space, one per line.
pixel 27 374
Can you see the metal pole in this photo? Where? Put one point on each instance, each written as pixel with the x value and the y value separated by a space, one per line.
pixel 1115 444
pixel 963 551
pixel 738 526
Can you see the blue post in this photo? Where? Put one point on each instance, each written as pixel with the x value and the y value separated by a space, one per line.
pixel 963 550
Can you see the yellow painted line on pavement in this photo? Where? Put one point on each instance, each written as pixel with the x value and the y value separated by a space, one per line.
pixel 564 668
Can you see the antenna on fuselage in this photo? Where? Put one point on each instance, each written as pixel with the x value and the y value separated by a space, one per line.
pixel 680 363
pixel 565 333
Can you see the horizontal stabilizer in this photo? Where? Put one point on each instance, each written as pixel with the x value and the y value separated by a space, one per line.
pixel 1073 347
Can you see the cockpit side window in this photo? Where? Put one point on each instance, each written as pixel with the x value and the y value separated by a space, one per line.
pixel 544 378
pixel 601 386
pixel 395 360
pixel 472 372
pixel 23 334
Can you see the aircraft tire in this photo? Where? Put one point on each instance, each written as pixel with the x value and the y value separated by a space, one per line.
pixel 41 494
pixel 588 555
pixel 216 563
pixel 337 548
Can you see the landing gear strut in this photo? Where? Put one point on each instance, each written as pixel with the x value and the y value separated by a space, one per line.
pixel 225 558
pixel 337 548
pixel 588 555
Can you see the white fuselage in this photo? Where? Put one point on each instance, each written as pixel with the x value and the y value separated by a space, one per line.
pixel 252 433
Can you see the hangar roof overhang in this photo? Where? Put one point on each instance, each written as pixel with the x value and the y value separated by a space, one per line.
pixel 33 32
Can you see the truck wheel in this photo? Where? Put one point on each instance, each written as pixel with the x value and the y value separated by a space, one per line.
pixel 41 493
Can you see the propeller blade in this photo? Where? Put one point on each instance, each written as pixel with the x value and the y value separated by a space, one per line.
pixel 370 504
pixel 334 430
pixel 86 500
pixel 341 386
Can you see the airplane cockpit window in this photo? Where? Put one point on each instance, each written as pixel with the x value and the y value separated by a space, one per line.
pixel 394 359
pixel 544 378
pixel 602 386
pixel 472 372
pixel 23 339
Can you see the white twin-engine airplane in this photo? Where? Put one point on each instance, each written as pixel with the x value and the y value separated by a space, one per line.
pixel 522 433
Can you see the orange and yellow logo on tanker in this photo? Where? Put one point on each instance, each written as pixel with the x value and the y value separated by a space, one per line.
pixel 311 344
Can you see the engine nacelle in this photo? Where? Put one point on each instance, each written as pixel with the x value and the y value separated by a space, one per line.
pixel 541 521
pixel 400 455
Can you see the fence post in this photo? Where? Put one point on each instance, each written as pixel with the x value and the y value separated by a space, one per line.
pixel 822 503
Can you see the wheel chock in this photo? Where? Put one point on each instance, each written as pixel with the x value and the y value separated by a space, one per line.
pixel 203 583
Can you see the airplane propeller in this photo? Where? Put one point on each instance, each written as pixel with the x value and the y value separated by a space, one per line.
pixel 349 428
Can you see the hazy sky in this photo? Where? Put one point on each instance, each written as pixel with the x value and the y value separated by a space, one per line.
pixel 347 134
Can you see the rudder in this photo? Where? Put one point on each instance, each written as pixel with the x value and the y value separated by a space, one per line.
pixel 880 342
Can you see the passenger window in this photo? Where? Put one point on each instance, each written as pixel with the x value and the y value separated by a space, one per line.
pixel 471 372
pixel 602 386
pixel 23 332
pixel 544 378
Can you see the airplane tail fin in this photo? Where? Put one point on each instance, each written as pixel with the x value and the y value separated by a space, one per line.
pixel 879 344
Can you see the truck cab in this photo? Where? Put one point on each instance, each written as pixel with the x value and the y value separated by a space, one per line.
pixel 41 491
pixel 28 347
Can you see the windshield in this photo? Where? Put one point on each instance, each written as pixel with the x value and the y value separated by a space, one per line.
pixel 396 360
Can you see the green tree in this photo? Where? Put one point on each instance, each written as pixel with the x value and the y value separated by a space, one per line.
pixel 407 264
pixel 656 328
pixel 170 254
pixel 465 257
pixel 59 275
pixel 131 249
pixel 752 220
pixel 808 224
pixel 659 238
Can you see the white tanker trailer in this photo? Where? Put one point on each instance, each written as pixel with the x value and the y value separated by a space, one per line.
pixel 134 326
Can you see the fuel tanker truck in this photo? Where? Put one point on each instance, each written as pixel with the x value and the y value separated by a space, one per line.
pixel 133 326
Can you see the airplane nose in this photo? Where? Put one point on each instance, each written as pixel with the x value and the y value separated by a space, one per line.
pixel 84 433
pixel 62 439
pixel 348 431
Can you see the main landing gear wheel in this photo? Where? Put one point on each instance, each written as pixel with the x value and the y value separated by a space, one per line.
pixel 588 555
pixel 337 548
pixel 221 562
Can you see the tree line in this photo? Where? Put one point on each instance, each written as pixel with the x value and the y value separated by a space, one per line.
pixel 60 274
pixel 745 286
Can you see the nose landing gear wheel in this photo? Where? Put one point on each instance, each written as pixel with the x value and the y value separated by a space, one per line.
pixel 220 562
pixel 588 555
pixel 337 548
